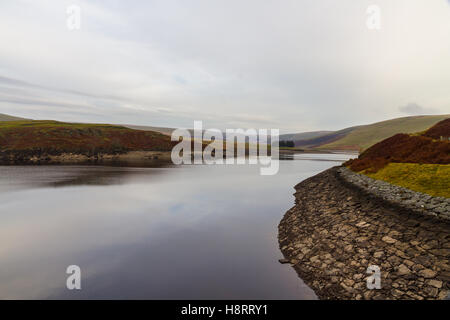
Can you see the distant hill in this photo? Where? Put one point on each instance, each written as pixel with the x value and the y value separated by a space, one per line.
pixel 362 137
pixel 303 135
pixel 357 138
pixel 5 117
pixel 162 130
pixel 325 139
pixel 423 147
pixel 37 137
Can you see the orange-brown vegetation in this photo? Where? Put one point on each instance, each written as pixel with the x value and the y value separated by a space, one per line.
pixel 404 148
pixel 441 129
pixel 51 137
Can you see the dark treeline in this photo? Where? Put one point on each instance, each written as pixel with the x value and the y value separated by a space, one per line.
pixel 287 143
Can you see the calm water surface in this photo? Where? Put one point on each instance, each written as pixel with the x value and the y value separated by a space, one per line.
pixel 189 232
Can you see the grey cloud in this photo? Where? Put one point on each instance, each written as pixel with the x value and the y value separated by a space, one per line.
pixel 24 84
pixel 296 65
pixel 415 109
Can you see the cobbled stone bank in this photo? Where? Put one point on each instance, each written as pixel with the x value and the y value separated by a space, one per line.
pixel 336 230
pixel 421 203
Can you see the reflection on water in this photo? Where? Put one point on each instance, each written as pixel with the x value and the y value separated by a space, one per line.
pixel 25 177
pixel 341 157
pixel 159 233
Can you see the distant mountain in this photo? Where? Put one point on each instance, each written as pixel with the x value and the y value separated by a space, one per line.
pixel 362 137
pixel 163 130
pixel 325 139
pixel 303 135
pixel 355 138
pixel 5 117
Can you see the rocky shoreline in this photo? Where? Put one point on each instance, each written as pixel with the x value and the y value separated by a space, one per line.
pixel 336 230
pixel 131 158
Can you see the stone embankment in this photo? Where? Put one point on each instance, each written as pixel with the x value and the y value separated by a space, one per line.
pixel 336 230
pixel 421 203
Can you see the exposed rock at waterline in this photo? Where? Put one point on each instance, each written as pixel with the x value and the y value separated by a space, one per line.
pixel 335 231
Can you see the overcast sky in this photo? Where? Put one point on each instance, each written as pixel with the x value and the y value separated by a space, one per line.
pixel 289 64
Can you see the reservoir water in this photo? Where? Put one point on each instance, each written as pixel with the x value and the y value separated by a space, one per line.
pixel 185 232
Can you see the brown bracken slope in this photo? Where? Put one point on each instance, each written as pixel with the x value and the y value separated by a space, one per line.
pixel 30 138
pixel 426 147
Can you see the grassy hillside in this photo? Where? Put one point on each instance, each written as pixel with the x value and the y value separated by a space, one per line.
pixel 363 137
pixel 355 138
pixel 22 140
pixel 359 138
pixel 53 137
pixel 327 138
pixel 433 179
pixel 5 117
pixel 420 161
pixel 404 148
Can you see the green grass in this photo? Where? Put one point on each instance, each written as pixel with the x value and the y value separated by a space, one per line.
pixel 367 135
pixel 433 179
